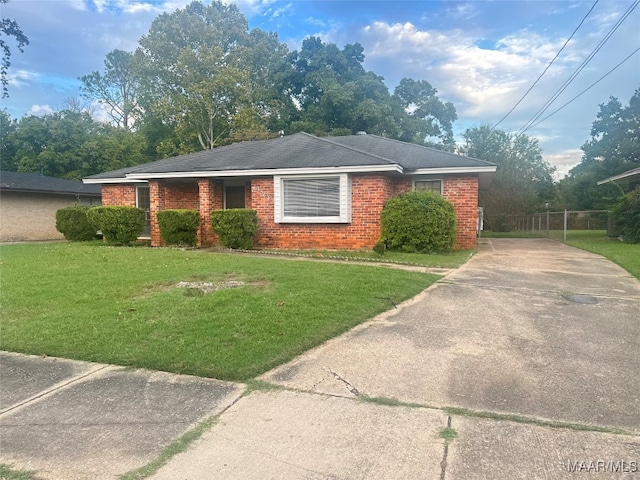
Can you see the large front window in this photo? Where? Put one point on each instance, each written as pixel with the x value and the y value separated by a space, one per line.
pixel 324 199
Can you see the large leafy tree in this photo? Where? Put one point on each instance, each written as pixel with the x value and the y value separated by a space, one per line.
pixel 336 95
pixel 7 147
pixel 70 144
pixel 613 148
pixel 9 28
pixel 116 88
pixel 523 181
pixel 200 68
pixel 427 119
pixel 614 145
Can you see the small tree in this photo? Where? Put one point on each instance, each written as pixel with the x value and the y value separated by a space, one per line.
pixel 627 217
pixel 236 228
pixel 73 223
pixel 418 222
pixel 179 227
pixel 120 225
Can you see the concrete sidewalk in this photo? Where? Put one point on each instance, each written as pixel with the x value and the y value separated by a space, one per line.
pixel 526 359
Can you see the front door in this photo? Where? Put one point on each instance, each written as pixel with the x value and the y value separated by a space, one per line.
pixel 234 197
pixel 143 201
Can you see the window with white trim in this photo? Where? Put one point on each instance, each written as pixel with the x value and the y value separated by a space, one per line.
pixel 433 186
pixel 312 199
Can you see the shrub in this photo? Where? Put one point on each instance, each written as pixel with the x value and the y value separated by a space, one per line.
pixel 418 222
pixel 120 225
pixel 72 222
pixel 179 227
pixel 380 248
pixel 627 217
pixel 235 227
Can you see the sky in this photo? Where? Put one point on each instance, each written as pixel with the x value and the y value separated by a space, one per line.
pixel 481 55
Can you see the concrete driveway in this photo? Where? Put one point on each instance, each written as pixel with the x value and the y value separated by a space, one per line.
pixel 530 327
pixel 524 363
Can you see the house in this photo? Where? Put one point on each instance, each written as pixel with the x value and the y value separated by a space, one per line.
pixel 309 192
pixel 628 180
pixel 28 204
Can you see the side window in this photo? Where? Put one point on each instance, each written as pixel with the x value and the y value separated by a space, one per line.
pixel 433 186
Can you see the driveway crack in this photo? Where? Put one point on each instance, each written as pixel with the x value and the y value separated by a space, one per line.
pixel 350 387
pixel 443 463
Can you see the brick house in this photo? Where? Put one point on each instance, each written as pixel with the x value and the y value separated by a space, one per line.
pixel 29 201
pixel 309 192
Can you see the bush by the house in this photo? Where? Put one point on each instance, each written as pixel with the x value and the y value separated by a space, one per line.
pixel 235 227
pixel 418 222
pixel 627 217
pixel 72 222
pixel 120 225
pixel 179 227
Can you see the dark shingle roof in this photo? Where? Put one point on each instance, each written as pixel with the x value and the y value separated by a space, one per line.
pixel 32 182
pixel 409 155
pixel 300 151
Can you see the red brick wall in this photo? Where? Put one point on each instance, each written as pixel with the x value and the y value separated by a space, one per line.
pixel 211 198
pixel 157 200
pixel 181 196
pixel 119 195
pixel 463 193
pixel 368 194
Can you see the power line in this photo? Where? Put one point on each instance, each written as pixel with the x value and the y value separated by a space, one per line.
pixel 589 87
pixel 567 82
pixel 550 63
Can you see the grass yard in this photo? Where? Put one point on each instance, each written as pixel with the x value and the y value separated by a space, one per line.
pixel 120 305
pixel 626 255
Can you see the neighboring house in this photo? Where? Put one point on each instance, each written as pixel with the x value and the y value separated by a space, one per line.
pixel 309 192
pixel 628 180
pixel 28 204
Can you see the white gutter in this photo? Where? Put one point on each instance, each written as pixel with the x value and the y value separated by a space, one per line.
pixel 445 170
pixel 266 172
pixel 111 180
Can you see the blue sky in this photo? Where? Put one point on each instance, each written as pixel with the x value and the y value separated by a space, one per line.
pixel 481 55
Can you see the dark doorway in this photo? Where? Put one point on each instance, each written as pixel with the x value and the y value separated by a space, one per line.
pixel 234 197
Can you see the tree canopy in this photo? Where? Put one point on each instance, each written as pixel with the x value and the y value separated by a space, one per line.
pixel 523 181
pixel 613 148
pixel 9 28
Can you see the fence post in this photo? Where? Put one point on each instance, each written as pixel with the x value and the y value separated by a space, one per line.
pixel 564 236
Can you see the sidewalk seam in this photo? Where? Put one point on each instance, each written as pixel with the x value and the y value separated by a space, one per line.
pixel 54 388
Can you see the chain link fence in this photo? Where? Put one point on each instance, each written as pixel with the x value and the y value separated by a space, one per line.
pixel 551 224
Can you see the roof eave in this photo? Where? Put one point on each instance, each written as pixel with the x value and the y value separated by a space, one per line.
pixel 264 172
pixel 452 170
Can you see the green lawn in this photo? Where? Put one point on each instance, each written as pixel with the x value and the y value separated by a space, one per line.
pixel 120 305
pixel 626 255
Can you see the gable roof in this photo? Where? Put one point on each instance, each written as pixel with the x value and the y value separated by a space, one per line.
pixel 301 153
pixel 34 183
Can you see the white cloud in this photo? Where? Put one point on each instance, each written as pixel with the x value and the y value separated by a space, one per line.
pixel 564 160
pixel 22 78
pixel 40 110
pixel 483 83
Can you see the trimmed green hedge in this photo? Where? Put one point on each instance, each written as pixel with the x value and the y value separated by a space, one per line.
pixel 120 225
pixel 236 227
pixel 420 222
pixel 73 223
pixel 627 217
pixel 179 227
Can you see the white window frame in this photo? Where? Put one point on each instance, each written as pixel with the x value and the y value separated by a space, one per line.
pixel 417 180
pixel 344 198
